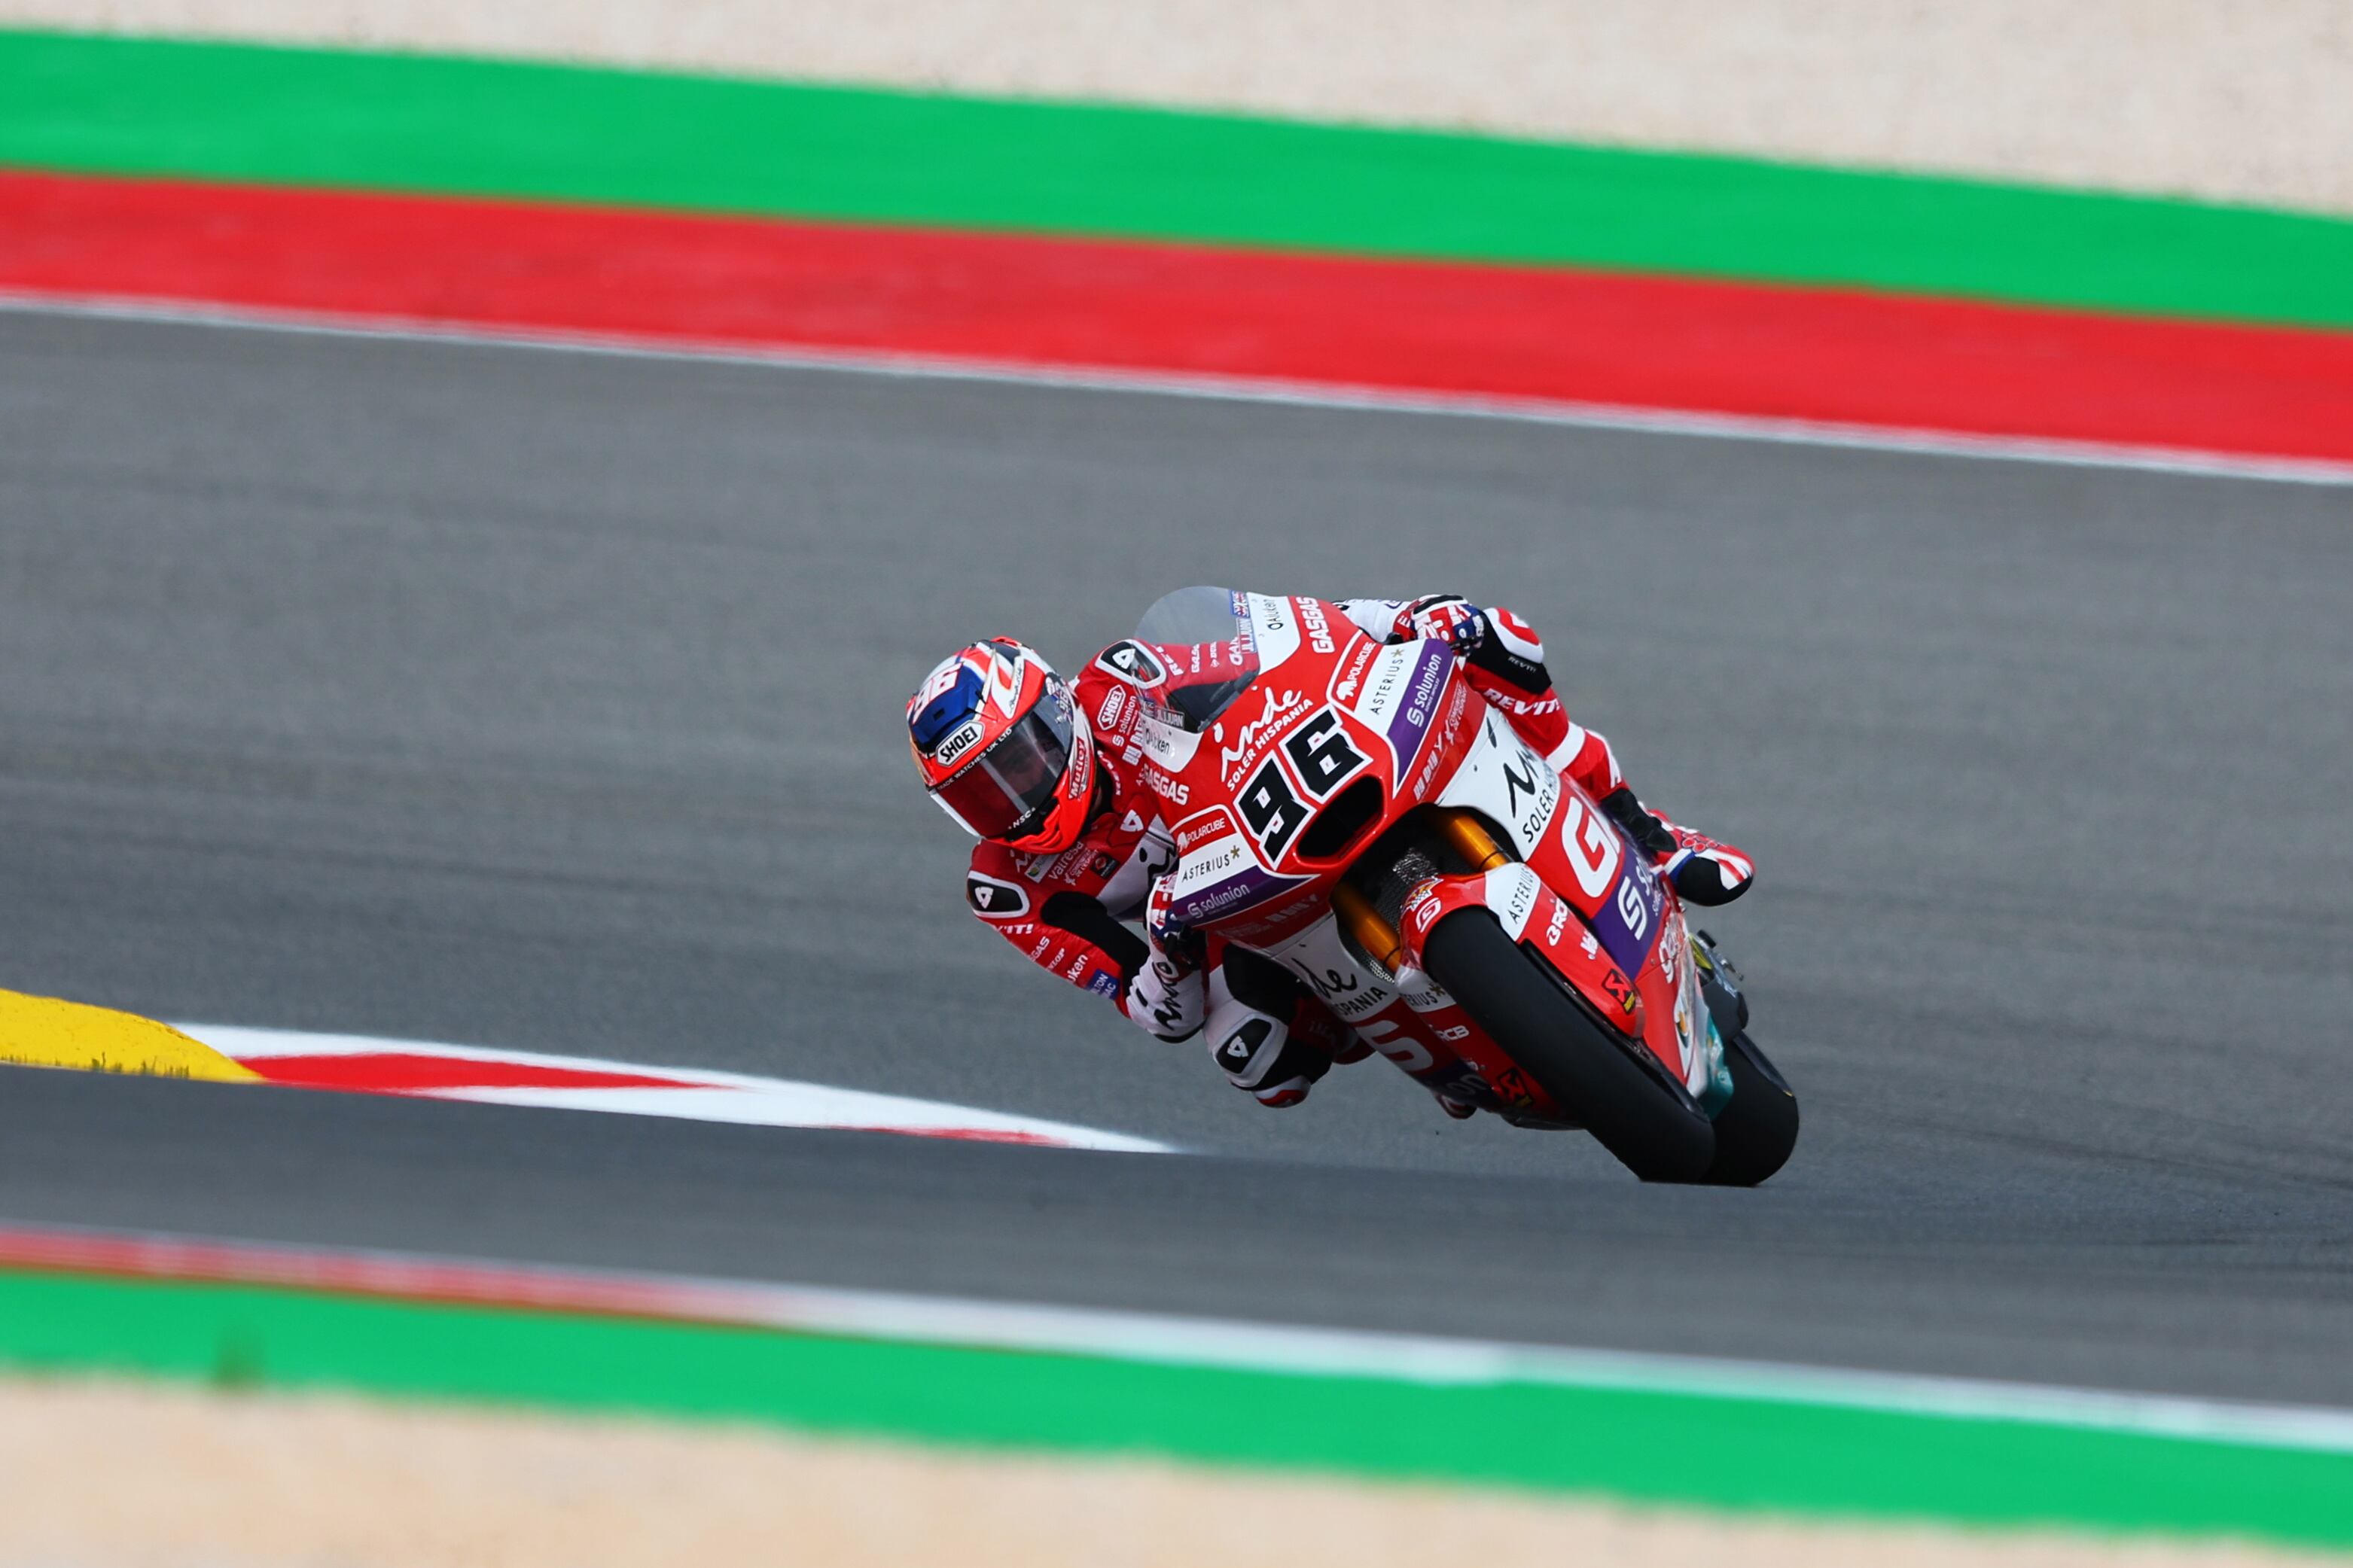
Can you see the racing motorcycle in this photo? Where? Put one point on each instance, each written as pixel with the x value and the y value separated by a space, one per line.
pixel 1357 812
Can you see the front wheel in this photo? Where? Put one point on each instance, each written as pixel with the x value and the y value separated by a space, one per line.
pixel 1758 1125
pixel 1656 1131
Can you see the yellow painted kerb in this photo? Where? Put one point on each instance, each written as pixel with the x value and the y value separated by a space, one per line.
pixel 41 1031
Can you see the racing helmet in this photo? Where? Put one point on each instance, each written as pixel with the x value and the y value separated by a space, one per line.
pixel 1003 747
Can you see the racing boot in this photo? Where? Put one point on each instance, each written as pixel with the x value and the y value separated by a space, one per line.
pixel 1703 871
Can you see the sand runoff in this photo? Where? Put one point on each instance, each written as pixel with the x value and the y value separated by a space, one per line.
pixel 2251 103
pixel 126 1475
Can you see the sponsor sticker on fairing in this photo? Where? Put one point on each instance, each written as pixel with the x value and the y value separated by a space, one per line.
pixel 1162 736
pixel 1166 788
pixel 1424 698
pixel 1254 735
pixel 1272 629
pixel 1627 920
pixel 1319 630
pixel 1512 1086
pixel 1511 892
pixel 1351 674
pixel 1392 667
pixel 1212 824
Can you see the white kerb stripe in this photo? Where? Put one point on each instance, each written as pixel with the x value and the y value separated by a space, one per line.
pixel 706 1095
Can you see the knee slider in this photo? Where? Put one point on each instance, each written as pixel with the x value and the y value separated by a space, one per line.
pixel 1255 1051
pixel 1247 1046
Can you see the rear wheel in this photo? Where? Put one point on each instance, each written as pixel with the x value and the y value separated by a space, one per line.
pixel 1656 1130
pixel 1758 1126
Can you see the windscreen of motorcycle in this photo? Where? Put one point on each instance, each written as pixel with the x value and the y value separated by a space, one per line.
pixel 1203 637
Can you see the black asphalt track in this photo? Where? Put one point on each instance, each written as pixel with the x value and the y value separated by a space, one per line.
pixel 550 701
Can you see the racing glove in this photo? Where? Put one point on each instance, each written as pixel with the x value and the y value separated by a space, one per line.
pixel 1165 995
pixel 1451 617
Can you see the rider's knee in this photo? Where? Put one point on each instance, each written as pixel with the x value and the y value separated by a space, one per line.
pixel 1256 1051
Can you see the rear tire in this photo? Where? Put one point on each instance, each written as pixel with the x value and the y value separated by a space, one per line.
pixel 1656 1131
pixel 1758 1126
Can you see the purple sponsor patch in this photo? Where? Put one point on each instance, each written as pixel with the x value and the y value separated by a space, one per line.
pixel 1246 887
pixel 1628 921
pixel 1423 687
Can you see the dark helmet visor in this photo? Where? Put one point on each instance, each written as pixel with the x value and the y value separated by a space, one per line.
pixel 1015 779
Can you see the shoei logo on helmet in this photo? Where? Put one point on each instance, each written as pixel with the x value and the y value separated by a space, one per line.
pixel 957 744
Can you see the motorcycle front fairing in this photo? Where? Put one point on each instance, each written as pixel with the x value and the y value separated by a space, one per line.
pixel 1619 899
pixel 1328 710
pixel 1327 707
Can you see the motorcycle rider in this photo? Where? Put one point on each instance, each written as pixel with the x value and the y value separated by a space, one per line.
pixel 1047 775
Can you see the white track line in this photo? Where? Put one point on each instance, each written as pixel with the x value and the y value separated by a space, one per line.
pixel 1221 388
pixel 704 1095
pixel 1168 1340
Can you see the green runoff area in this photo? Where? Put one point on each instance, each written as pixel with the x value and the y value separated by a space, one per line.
pixel 1651 1447
pixel 93 105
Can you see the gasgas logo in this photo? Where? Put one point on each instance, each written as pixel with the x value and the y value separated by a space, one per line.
pixel 1319 630
pixel 1253 734
pixel 1166 788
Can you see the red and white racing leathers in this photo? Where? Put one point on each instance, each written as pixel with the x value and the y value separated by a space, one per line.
pixel 1069 913
pixel 1065 911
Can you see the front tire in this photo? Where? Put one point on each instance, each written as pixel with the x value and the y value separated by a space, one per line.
pixel 1656 1131
pixel 1757 1126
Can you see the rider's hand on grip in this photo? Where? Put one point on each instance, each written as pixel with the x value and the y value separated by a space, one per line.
pixel 1178 942
pixel 1167 995
pixel 1166 998
pixel 1450 616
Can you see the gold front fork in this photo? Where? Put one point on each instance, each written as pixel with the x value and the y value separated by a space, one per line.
pixel 1377 936
pixel 1471 840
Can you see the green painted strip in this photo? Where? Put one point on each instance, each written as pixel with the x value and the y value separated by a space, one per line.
pixel 417 123
pixel 1656 1447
